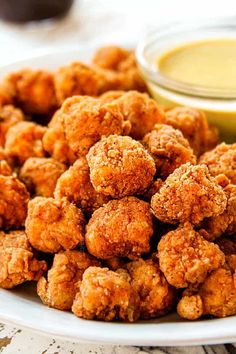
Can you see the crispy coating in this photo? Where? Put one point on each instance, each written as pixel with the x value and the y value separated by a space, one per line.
pixel 24 140
pixel 77 79
pixel 13 202
pixel 106 295
pixel 216 297
pixel 86 120
pixel 120 166
pixel 9 116
pixel 121 228
pixel 54 141
pixel 53 225
pixel 169 149
pixel 222 159
pixel 40 175
pixel 156 295
pixel 190 193
pixel 224 223
pixel 17 262
pixel 33 91
pixel 111 95
pixel 110 57
pixel 186 257
pixel 75 185
pixel 194 126
pixel 61 286
pixel 5 169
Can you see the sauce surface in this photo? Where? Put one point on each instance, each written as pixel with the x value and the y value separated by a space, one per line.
pixel 210 63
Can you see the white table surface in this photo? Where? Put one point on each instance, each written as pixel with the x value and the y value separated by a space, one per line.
pixel 98 22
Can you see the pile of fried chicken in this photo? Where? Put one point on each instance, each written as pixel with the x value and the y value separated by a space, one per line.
pixel 120 210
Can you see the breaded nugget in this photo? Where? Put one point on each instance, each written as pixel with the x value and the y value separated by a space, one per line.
pixel 40 175
pixel 106 295
pixel 24 140
pixel 59 289
pixel 190 193
pixel 53 225
pixel 5 168
pixel 54 141
pixel 86 120
pixel 13 202
pixel 194 126
pixel 156 295
pixel 33 91
pixel 77 79
pixel 186 257
pixel 222 159
pixel 121 228
pixel 120 166
pixel 216 297
pixel 9 116
pixel 110 57
pixel 17 262
pixel 169 149
pixel 224 223
pixel 75 185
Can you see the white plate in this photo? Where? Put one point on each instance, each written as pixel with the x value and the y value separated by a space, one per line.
pixel 23 308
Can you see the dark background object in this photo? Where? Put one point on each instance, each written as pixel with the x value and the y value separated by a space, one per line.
pixel 33 10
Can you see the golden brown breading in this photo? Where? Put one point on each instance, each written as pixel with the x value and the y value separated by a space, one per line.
pixel 77 79
pixel 190 193
pixel 13 202
pixel 186 257
pixel 121 228
pixel 53 225
pixel 224 223
pixel 54 141
pixel 5 169
pixel 86 120
pixel 106 295
pixel 75 185
pixel 110 57
pixel 24 140
pixel 33 91
pixel 156 295
pixel 222 159
pixel 17 262
pixel 9 116
pixel 194 126
pixel 216 297
pixel 61 286
pixel 111 95
pixel 40 174
pixel 169 149
pixel 120 166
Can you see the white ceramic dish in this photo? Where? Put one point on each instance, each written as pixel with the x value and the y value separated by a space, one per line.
pixel 23 308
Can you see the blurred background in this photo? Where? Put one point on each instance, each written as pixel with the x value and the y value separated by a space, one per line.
pixel 96 22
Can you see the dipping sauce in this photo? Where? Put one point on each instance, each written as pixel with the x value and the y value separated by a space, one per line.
pixel 209 63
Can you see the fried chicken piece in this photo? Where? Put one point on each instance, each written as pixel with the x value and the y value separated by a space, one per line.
pixel 120 166
pixel 77 79
pixel 106 295
pixel 110 57
pixel 156 295
pixel 86 120
pixel 5 169
pixel 24 140
pixel 53 225
pixel 186 257
pixel 190 193
pixel 111 95
pixel 220 160
pixel 169 149
pixel 224 223
pixel 13 202
pixel 216 296
pixel 9 116
pixel 17 261
pixel 40 175
pixel 75 185
pixel 121 228
pixel 54 141
pixel 194 126
pixel 61 286
pixel 33 91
